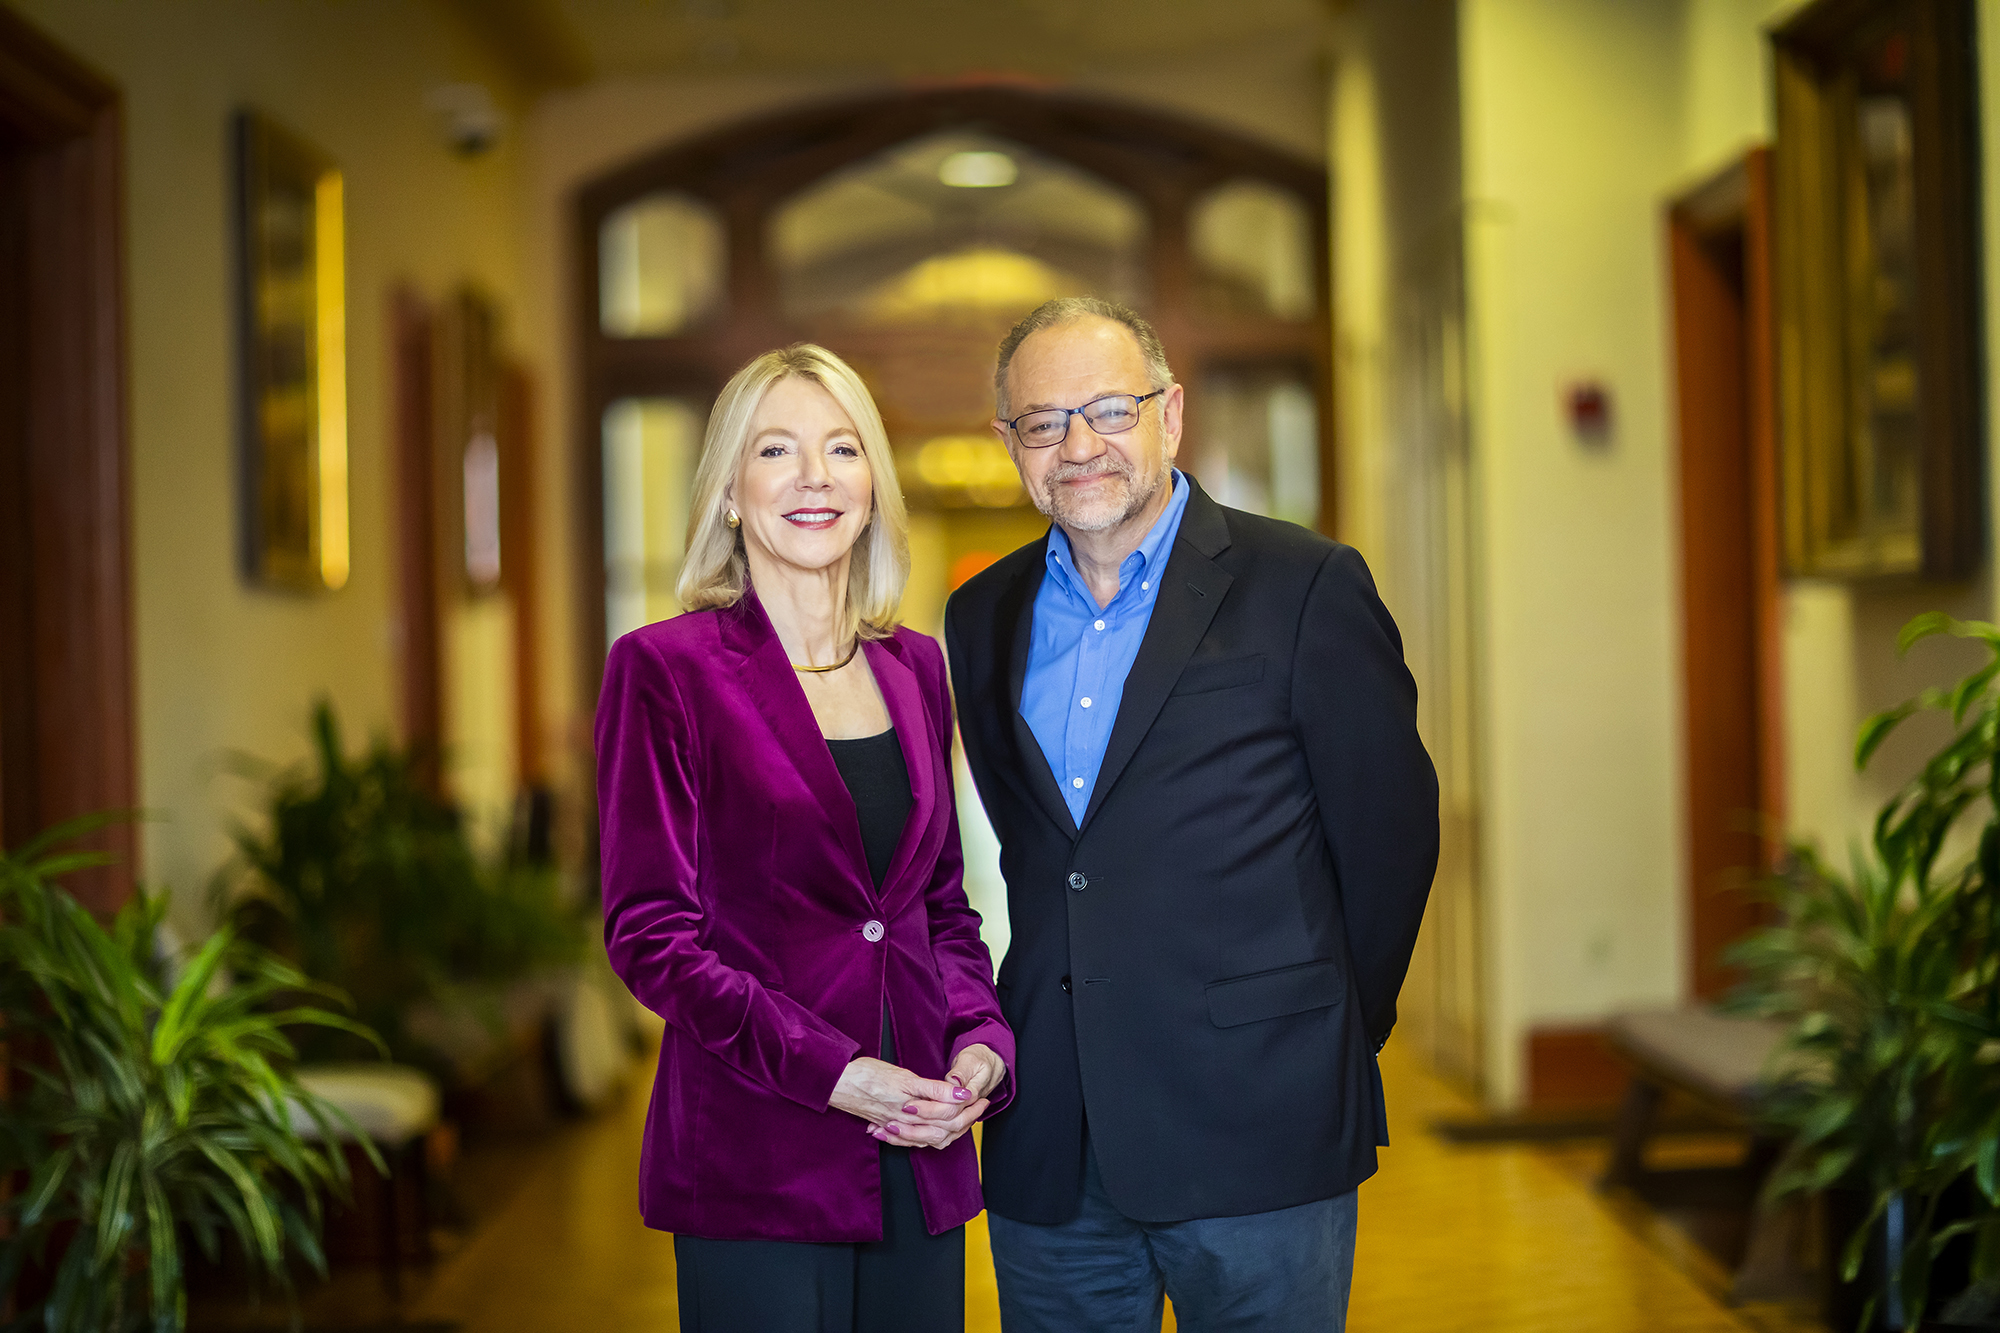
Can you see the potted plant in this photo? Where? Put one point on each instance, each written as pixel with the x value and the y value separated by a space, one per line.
pixel 365 878
pixel 1889 1086
pixel 147 1105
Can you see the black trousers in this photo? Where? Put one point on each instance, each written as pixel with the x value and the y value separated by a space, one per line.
pixel 908 1280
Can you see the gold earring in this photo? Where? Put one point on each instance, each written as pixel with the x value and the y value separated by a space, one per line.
pixel 731 519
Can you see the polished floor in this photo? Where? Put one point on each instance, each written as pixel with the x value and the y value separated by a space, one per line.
pixel 1453 1238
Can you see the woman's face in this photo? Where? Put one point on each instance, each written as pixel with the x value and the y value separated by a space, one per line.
pixel 804 491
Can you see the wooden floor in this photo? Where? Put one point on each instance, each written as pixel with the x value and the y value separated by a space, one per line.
pixel 1453 1238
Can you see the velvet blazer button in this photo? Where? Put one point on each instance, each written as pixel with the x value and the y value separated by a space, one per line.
pixel 1077 881
pixel 872 932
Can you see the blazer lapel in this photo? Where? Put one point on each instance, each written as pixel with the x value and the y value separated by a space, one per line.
pixel 1190 591
pixel 1016 619
pixel 768 677
pixel 904 698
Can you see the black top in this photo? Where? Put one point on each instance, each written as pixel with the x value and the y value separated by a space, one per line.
pixel 879 781
pixel 1239 904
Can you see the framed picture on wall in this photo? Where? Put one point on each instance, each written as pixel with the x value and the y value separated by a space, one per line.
pixel 292 335
pixel 1878 300
pixel 467 380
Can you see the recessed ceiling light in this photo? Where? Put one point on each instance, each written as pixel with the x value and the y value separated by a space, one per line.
pixel 977 171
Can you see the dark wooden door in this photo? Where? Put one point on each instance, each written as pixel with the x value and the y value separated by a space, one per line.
pixel 66 697
pixel 1719 242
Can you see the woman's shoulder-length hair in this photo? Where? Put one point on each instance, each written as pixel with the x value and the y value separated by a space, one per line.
pixel 714 572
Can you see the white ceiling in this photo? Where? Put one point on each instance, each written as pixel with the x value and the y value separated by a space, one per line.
pixel 575 40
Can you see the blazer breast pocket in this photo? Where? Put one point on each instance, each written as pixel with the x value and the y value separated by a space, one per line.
pixel 1205 677
pixel 1275 994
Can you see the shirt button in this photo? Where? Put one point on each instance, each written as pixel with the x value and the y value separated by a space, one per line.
pixel 1145 587
pixel 1086 703
pixel 1099 625
pixel 1077 881
pixel 1076 783
pixel 872 932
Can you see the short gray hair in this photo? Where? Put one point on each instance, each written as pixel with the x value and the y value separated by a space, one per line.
pixel 1067 310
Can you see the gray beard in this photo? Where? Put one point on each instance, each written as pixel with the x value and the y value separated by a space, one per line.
pixel 1136 500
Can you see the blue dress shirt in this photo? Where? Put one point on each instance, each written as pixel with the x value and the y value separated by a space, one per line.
pixel 1080 653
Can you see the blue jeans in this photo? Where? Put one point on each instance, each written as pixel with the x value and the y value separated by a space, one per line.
pixel 1101 1272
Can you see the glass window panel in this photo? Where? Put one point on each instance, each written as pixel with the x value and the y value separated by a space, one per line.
pixel 955 225
pixel 1252 245
pixel 650 446
pixel 662 264
pixel 1259 445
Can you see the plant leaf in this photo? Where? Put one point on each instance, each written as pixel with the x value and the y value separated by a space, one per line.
pixel 1876 730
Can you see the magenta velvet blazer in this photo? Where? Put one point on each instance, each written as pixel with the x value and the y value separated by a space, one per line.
pixel 739 907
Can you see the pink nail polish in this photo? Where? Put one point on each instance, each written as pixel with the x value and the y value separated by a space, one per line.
pixel 909 1110
pixel 959 1094
pixel 895 1130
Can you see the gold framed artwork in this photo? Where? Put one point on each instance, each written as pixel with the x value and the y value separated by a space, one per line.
pixel 1878 300
pixel 292 331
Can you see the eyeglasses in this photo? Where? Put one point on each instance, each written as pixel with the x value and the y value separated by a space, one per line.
pixel 1112 415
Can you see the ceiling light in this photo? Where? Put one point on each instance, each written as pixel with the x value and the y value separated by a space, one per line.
pixel 976 171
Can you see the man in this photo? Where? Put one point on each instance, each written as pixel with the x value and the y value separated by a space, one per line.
pixel 1195 736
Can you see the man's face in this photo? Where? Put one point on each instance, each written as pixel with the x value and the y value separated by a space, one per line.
pixel 1090 482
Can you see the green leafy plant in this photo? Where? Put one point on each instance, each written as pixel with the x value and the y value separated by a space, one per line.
pixel 144 1109
pixel 364 877
pixel 1890 1080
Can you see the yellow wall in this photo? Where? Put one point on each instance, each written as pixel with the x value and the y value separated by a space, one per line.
pixel 1569 124
pixel 223 667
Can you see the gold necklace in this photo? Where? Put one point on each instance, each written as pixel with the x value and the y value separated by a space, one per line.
pixel 837 665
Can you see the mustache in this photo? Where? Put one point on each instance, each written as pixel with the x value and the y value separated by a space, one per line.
pixel 1104 465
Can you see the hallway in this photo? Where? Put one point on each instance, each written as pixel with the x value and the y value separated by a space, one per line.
pixel 1493 1238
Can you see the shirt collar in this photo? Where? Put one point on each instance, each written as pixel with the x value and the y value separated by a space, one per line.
pixel 1061 561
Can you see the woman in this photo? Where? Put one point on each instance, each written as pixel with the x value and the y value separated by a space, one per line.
pixel 782 884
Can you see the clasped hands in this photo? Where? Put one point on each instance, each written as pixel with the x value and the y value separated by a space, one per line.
pixel 913 1112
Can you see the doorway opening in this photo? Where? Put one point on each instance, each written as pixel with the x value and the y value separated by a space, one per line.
pixel 907 233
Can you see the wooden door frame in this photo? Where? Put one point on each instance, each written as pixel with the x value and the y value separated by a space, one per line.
pixel 420 672
pixel 67 712
pixel 1730 596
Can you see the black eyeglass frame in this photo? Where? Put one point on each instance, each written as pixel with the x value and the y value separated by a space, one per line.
pixel 1138 401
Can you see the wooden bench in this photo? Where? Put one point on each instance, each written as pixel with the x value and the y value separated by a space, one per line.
pixel 1721 1063
pixel 1716 1059
pixel 395 1107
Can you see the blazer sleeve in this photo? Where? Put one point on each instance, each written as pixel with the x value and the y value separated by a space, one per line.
pixel 972 1006
pixel 1355 705
pixel 649 819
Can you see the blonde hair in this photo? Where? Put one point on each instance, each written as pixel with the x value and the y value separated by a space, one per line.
pixel 715 570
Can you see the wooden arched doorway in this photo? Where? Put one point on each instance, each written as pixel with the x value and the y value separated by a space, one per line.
pixel 830 223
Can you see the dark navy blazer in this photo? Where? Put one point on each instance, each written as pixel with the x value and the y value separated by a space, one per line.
pixel 1203 971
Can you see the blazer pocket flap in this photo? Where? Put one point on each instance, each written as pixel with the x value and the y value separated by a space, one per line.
pixel 1202 677
pixel 1286 990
